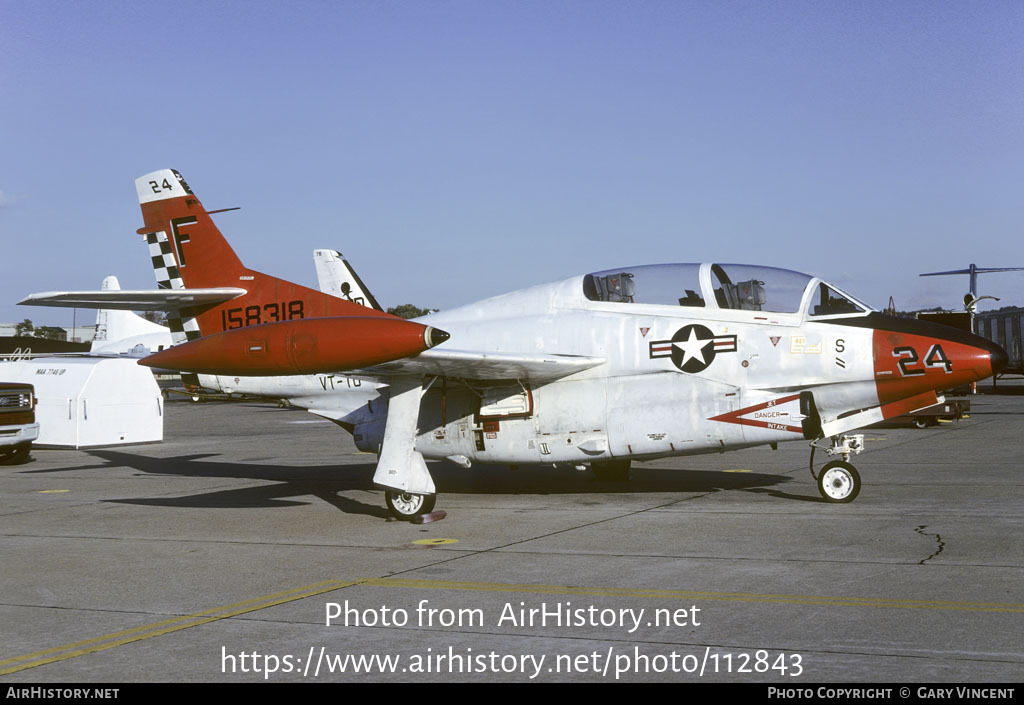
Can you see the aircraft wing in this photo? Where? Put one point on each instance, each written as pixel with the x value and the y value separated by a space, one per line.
pixel 125 300
pixel 470 364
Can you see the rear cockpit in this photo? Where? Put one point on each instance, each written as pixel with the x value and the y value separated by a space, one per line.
pixel 738 287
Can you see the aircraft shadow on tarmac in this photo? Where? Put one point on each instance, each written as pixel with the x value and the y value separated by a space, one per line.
pixel 327 481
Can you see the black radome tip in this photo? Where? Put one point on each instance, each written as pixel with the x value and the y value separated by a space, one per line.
pixel 999 358
pixel 435 336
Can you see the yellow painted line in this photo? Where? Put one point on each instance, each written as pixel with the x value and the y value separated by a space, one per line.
pixel 691 594
pixel 52 491
pixel 109 641
pixel 435 542
pixel 737 470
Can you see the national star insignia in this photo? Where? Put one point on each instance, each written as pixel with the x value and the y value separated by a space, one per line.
pixel 693 347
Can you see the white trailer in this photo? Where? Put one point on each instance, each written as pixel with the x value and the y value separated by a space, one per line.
pixel 85 402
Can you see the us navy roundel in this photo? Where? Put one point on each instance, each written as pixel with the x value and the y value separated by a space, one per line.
pixel 693 347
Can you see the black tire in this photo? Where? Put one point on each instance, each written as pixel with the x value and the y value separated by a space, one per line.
pixel 922 422
pixel 611 470
pixel 404 506
pixel 15 456
pixel 839 482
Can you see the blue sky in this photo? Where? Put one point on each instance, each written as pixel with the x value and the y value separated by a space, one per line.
pixel 457 150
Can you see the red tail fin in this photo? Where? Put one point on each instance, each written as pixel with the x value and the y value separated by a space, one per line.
pixel 189 251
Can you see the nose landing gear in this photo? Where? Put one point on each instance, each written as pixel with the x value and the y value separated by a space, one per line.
pixel 839 481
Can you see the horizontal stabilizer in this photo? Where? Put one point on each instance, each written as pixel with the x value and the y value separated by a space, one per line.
pixel 147 300
pixel 68 355
pixel 977 270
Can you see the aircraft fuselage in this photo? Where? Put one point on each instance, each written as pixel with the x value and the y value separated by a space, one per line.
pixel 676 380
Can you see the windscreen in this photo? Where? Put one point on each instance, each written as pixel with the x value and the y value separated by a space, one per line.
pixel 829 302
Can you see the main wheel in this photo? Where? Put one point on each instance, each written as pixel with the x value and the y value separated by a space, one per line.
pixel 15 456
pixel 405 505
pixel 611 470
pixel 839 482
pixel 922 422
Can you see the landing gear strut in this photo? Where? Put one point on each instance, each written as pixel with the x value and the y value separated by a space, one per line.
pixel 839 481
pixel 404 506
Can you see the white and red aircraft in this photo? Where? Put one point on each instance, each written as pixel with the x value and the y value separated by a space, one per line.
pixel 629 363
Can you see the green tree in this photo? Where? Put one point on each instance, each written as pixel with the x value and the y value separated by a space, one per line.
pixel 410 311
pixel 24 328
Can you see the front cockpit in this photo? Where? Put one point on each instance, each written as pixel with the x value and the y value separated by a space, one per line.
pixel 737 287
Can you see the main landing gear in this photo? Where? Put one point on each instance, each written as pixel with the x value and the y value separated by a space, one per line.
pixel 839 481
pixel 406 506
pixel 401 469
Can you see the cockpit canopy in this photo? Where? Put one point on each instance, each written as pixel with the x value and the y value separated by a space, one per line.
pixel 740 287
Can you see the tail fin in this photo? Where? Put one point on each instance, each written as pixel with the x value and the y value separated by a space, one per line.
pixel 188 251
pixel 337 278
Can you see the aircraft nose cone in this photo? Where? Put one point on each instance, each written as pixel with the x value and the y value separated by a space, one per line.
pixel 999 358
pixel 435 336
pixel 914 357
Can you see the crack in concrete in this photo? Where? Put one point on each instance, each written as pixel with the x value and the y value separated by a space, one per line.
pixel 938 539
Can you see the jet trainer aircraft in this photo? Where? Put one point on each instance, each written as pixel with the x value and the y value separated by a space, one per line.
pixel 629 363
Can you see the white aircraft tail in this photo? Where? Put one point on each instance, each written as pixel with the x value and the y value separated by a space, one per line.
pixel 120 331
pixel 337 278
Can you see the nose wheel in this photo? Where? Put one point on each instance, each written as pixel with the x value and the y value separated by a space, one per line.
pixel 839 482
pixel 405 506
